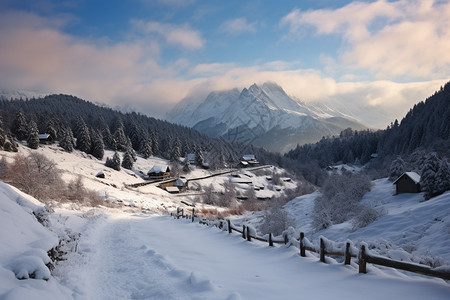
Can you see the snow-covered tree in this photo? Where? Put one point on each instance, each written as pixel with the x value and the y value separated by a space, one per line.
pixel 397 168
pixel 276 220
pixel 97 146
pixel 429 181
pixel 127 161
pixel 33 139
pixel 113 163
pixel 83 136
pixel 146 148
pixel 20 127
pixel 66 140
pixel 176 150
pixel 434 179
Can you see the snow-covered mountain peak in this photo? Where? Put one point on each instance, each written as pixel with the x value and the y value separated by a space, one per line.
pixel 257 112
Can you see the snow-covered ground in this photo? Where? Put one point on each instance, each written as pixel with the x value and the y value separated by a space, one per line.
pixel 422 228
pixel 136 252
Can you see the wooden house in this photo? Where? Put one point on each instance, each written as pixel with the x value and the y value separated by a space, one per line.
pixel 408 182
pixel 159 172
pixel 45 138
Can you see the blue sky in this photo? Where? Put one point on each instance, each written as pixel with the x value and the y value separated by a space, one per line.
pixel 150 54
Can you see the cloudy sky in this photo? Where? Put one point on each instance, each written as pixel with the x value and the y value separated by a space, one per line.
pixel 150 54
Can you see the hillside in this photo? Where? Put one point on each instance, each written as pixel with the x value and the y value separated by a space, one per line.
pixel 425 127
pixel 132 251
pixel 263 115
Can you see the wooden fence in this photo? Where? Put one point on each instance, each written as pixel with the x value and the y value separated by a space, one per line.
pixel 364 256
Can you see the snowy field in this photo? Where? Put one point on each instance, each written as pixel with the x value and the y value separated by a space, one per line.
pixel 136 252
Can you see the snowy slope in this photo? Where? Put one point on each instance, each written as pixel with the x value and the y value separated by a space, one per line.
pixel 23 250
pixel 260 114
pixel 422 228
pixel 134 253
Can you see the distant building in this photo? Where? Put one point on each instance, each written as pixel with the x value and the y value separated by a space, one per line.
pixel 159 172
pixel 45 138
pixel 172 189
pixel 408 182
pixel 248 160
pixel 191 157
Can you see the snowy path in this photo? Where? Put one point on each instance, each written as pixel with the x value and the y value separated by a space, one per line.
pixel 142 257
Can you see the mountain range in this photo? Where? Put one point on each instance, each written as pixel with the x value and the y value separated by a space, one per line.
pixel 263 115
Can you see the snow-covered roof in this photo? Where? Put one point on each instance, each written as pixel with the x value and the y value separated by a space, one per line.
pixel 248 157
pixel 191 156
pixel 172 189
pixel 179 182
pixel 43 136
pixel 413 175
pixel 159 169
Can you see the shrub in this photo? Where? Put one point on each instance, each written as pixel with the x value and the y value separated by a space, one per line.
pixel 276 220
pixel 366 215
pixel 340 198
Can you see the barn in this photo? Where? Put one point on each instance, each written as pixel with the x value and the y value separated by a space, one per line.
pixel 408 182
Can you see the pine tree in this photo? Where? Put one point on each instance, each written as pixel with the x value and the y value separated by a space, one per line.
pixel 50 129
pixel 397 168
pixel 198 157
pixel 154 143
pixel 443 177
pixel 83 138
pixel 20 127
pixel 33 139
pixel 97 146
pixel 66 141
pixel 2 135
pixel 127 161
pixel 176 152
pixel 130 150
pixel 120 139
pixel 113 163
pixel 146 148
pixel 429 180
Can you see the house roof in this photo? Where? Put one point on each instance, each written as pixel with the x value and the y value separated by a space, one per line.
pixel 191 156
pixel 43 136
pixel 172 189
pixel 159 169
pixel 248 157
pixel 180 182
pixel 413 175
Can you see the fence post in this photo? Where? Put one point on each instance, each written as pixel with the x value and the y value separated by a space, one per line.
pixel 362 260
pixel 249 238
pixel 302 247
pixel 322 250
pixel 243 231
pixel 193 215
pixel 182 213
pixel 229 226
pixel 220 224
pixel 348 256
pixel 286 239
pixel 270 239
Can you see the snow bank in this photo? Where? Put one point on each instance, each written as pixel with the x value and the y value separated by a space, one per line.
pixel 23 250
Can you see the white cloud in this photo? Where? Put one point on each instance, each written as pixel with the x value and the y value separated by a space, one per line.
pixel 391 39
pixel 173 34
pixel 238 26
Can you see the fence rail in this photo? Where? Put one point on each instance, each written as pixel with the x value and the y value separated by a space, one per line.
pixel 363 255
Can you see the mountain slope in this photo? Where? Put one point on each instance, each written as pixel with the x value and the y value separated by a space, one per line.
pixel 262 115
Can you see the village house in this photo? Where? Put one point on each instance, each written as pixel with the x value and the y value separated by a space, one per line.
pixel 45 138
pixel 408 182
pixel 159 172
pixel 248 160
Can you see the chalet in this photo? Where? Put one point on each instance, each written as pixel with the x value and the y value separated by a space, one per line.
pixel 45 138
pixel 159 172
pixel 100 175
pixel 408 182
